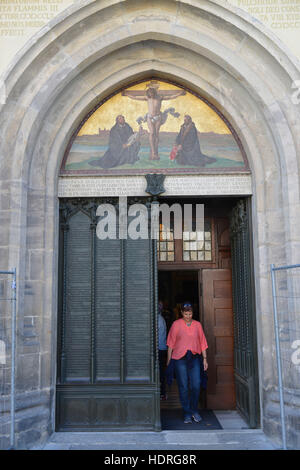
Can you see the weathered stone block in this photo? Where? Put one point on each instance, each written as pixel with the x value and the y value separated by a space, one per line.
pixel 37 418
pixel 33 300
pixel 26 439
pixel 36 265
pixel 28 372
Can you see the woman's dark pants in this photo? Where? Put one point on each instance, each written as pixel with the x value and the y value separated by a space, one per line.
pixel 188 381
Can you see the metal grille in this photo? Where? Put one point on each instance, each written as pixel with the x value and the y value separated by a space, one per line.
pixel 7 357
pixel 286 303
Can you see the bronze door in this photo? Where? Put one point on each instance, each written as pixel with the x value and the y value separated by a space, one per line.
pixel 245 347
pixel 107 360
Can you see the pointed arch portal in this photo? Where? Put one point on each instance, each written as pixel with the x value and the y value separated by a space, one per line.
pixel 84 56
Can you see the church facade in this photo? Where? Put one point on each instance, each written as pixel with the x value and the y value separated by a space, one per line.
pixel 90 361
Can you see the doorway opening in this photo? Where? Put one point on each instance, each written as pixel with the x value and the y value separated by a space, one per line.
pixel 107 370
pixel 174 288
pixel 217 283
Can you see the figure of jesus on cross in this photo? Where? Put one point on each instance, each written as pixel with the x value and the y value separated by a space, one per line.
pixel 155 118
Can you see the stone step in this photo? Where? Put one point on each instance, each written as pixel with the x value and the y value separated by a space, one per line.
pixel 250 439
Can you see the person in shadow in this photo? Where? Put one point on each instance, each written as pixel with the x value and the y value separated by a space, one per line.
pixel 162 350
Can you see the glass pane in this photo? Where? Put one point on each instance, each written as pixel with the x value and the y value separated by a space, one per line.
pixel 200 245
pixel 168 235
pixel 166 246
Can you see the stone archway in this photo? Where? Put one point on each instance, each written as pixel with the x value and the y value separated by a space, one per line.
pixel 78 60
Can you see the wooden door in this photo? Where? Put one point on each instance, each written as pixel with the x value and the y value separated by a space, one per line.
pixel 218 327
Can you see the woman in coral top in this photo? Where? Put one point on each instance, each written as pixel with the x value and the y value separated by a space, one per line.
pixel 186 342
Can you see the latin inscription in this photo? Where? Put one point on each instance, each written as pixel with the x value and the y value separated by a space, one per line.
pixel 277 14
pixel 174 185
pixel 17 17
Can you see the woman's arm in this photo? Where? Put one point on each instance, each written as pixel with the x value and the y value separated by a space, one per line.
pixel 205 363
pixel 204 347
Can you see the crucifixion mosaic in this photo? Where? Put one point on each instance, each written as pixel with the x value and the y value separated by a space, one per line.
pixel 154 125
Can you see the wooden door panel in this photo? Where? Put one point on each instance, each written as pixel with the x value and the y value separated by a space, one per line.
pixel 222 315
pixel 224 345
pixel 223 360
pixel 221 331
pixel 222 289
pixel 224 374
pixel 218 326
pixel 227 391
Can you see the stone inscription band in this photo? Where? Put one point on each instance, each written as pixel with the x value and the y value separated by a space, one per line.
pixel 174 185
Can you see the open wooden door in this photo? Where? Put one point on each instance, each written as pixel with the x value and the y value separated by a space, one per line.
pixel 218 326
pixel 229 323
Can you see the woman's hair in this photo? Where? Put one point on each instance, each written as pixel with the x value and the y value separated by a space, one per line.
pixel 186 306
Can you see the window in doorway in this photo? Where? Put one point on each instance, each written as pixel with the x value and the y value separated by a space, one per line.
pixel 165 245
pixel 197 245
